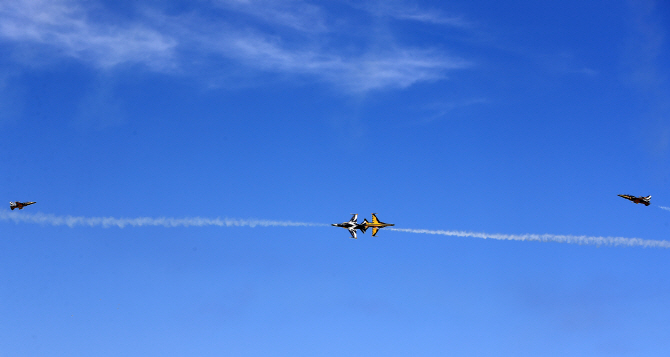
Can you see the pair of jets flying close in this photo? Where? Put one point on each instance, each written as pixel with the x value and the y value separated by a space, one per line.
pixel 353 225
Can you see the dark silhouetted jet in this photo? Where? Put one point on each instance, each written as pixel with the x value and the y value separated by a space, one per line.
pixel 643 200
pixel 19 205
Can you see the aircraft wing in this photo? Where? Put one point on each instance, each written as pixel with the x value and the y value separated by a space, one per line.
pixel 354 219
pixel 352 230
pixel 374 230
pixel 374 218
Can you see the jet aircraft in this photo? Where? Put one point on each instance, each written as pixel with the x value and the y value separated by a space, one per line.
pixel 19 205
pixel 643 200
pixel 352 226
pixel 375 224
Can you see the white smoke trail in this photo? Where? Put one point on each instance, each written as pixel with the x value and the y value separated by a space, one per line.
pixel 586 240
pixel 665 208
pixel 72 221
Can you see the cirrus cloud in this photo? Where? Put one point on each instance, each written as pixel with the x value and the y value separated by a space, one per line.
pixel 289 38
pixel 64 26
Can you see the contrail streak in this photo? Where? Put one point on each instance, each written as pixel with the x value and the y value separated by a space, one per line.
pixel 663 207
pixel 586 240
pixel 72 221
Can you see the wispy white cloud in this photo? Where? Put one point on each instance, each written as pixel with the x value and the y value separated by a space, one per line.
pixel 403 10
pixel 445 109
pixel 311 49
pixel 64 26
pixel 391 68
pixel 295 14
pixel 565 63
pixel 646 58
pixel 584 240
pixel 646 45
pixel 10 100
pixel 288 38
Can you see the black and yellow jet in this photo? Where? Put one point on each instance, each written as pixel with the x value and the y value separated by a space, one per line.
pixel 375 224
pixel 643 200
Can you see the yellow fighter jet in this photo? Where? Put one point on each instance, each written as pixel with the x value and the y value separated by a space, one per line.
pixel 375 224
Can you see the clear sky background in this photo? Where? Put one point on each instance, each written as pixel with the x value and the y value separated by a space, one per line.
pixel 508 117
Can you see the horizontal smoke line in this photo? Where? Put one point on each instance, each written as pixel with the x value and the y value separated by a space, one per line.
pixel 585 240
pixel 72 221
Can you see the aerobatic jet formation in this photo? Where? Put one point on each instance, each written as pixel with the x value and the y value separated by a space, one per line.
pixel 19 205
pixel 352 225
pixel 375 224
pixel 643 200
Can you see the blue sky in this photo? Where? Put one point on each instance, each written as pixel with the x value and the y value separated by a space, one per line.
pixel 509 118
